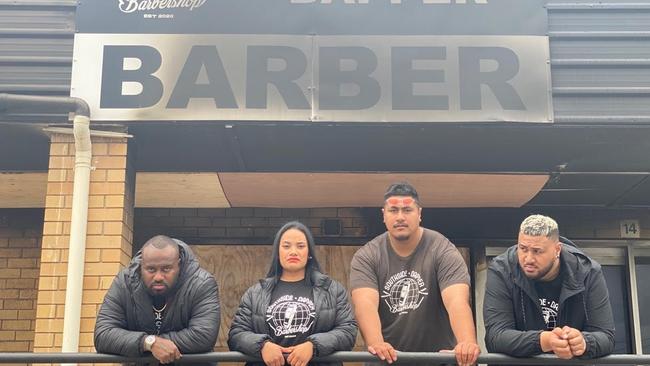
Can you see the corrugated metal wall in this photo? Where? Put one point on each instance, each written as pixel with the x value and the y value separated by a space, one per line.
pixel 600 54
pixel 600 59
pixel 36 39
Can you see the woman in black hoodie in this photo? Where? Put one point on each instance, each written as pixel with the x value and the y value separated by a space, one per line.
pixel 296 311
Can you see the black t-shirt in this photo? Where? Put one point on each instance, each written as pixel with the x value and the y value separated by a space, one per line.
pixel 413 315
pixel 159 309
pixel 549 299
pixel 291 314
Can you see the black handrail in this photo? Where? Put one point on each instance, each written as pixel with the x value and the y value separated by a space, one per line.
pixel 403 357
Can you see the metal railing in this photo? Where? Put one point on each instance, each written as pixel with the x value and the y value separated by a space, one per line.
pixel 403 357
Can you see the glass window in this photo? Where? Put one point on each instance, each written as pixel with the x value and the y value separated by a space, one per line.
pixel 642 265
pixel 618 298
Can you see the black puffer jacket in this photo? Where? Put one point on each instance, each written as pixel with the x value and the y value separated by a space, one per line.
pixel 191 321
pixel 513 316
pixel 335 328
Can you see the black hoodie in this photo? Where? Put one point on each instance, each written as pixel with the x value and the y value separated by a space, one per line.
pixel 192 317
pixel 513 317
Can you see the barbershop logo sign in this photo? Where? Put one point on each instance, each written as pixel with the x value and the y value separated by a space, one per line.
pixel 130 6
pixel 294 60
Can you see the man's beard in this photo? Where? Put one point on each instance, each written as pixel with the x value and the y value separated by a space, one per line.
pixel 543 272
pixel 155 294
pixel 159 300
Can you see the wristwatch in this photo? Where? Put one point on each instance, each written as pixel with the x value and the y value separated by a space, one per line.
pixel 149 341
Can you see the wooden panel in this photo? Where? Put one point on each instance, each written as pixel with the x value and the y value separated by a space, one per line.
pixel 236 269
pixel 22 190
pixel 367 189
pixel 179 190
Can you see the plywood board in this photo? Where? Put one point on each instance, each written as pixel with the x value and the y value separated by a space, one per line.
pixel 179 190
pixel 366 189
pixel 22 190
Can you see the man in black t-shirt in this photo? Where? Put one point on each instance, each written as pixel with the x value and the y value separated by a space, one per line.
pixel 546 295
pixel 410 287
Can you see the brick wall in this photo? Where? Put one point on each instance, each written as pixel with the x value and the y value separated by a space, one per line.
pixel 245 225
pixel 108 240
pixel 463 226
pixel 20 241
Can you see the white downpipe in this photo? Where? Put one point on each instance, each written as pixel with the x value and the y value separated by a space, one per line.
pixel 78 228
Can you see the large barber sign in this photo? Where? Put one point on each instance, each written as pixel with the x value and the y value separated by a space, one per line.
pixel 314 60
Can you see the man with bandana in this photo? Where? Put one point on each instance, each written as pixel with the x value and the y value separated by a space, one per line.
pixel 545 295
pixel 410 287
pixel 162 303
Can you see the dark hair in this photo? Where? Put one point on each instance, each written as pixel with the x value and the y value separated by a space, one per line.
pixel 162 242
pixel 402 189
pixel 312 263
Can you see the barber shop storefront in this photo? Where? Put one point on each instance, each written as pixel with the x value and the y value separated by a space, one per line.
pixel 216 122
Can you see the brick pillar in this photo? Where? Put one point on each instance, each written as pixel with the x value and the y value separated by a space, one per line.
pixel 20 239
pixel 108 241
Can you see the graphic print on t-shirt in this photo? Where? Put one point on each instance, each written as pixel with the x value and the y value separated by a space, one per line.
pixel 289 316
pixel 404 291
pixel 549 312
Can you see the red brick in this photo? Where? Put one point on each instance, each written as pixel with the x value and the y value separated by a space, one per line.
pixel 268 212
pixel 99 148
pixel 27 335
pixel 10 273
pixel 254 221
pixel 7 335
pixel 29 273
pixel 23 243
pixel 59 189
pixel 8 314
pixel 109 162
pixel 22 263
pixel 119 149
pixel 43 340
pixel 56 241
pixel 323 212
pixel 10 253
pixel 240 212
pixel 9 294
pixel 98 175
pixel 198 221
pixel 16 324
pixel 27 314
pixel 22 283
pixel 14 346
pixel 28 294
pixel 116 175
pixel 18 304
pixel 55 202
pixel 31 252
pixel 58 214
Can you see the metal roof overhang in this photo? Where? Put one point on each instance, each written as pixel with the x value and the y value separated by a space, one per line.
pixel 594 165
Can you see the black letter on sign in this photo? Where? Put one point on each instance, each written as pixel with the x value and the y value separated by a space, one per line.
pixel 114 76
pixel 259 77
pixel 334 80
pixel 471 77
pixel 218 88
pixel 405 76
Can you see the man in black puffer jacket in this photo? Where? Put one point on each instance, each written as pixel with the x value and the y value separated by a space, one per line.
pixel 162 303
pixel 545 295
